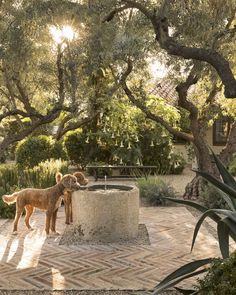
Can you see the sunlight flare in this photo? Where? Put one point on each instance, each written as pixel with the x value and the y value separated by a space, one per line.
pixel 65 33
pixel 157 69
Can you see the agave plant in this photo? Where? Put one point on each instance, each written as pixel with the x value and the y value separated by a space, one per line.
pixel 226 227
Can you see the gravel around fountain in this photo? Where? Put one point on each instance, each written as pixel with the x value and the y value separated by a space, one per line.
pixel 72 236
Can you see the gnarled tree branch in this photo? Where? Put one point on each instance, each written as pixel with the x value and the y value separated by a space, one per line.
pixel 75 125
pixel 13 113
pixel 172 47
pixel 146 111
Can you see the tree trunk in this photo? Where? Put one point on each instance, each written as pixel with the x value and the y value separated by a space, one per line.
pixel 230 148
pixel 204 163
pixel 194 188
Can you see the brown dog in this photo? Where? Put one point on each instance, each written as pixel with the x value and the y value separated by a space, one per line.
pixel 67 194
pixel 48 199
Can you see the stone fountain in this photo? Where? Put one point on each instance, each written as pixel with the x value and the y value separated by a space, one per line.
pixel 106 213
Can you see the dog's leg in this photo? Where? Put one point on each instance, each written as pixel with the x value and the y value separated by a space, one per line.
pixel 19 211
pixel 53 222
pixel 70 212
pixel 67 207
pixel 29 212
pixel 48 220
pixel 70 207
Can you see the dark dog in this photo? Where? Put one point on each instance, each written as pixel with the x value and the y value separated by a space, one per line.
pixel 67 194
pixel 48 199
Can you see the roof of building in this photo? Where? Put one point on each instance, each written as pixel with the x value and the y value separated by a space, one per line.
pixel 165 88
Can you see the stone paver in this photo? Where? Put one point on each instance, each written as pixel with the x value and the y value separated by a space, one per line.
pixel 29 261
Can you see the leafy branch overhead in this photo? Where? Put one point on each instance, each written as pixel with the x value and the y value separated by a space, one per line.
pixel 39 78
pixel 159 20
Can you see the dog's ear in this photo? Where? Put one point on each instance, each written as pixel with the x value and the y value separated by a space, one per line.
pixel 79 175
pixel 58 177
pixel 81 178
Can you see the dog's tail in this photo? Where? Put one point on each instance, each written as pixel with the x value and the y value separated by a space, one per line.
pixel 10 199
pixel 58 177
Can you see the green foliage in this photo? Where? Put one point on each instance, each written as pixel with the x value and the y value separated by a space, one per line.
pixel 156 149
pixel 84 147
pixel 43 175
pixel 33 150
pixel 13 178
pixel 159 153
pixel 58 150
pixel 211 197
pixel 81 152
pixel 226 227
pixel 220 279
pixel 101 172
pixel 8 177
pixel 7 211
pixel 177 164
pixel 232 165
pixel 153 190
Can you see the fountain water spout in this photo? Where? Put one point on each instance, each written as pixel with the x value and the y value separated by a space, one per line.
pixel 105 187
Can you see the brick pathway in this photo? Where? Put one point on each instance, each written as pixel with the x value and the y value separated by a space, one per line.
pixel 30 261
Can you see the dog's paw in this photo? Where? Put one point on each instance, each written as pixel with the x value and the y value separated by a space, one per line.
pixel 15 233
pixel 55 233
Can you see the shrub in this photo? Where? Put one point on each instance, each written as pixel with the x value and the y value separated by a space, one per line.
pixel 43 175
pixel 128 156
pixel 232 165
pixel 76 147
pixel 33 150
pixel 220 279
pixel 8 177
pixel 157 155
pixel 58 151
pixel 101 172
pixel 161 153
pixel 177 164
pixel 7 211
pixel 212 197
pixel 153 190
pixel 8 184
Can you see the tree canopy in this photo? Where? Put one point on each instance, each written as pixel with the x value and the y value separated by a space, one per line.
pixel 68 83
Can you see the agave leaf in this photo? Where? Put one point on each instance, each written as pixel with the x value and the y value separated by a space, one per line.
pixel 186 291
pixel 222 186
pixel 195 205
pixel 226 176
pixel 185 269
pixel 232 226
pixel 209 213
pixel 223 237
pixel 188 203
pixel 230 201
pixel 175 281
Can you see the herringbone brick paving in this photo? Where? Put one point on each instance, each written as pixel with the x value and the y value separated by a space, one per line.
pixel 29 261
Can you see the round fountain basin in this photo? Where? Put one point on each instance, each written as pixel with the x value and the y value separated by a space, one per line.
pixel 106 213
